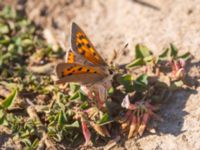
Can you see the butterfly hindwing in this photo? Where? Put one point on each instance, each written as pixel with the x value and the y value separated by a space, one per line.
pixel 67 72
pixel 70 57
pixel 81 45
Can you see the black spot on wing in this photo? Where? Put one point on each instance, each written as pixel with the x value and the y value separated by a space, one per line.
pixel 69 69
pixel 81 37
pixel 82 52
pixel 79 45
pixel 94 54
pixel 79 69
pixel 88 45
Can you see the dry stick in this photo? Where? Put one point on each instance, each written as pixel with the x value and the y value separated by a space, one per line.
pixel 44 137
pixel 100 130
pixel 132 126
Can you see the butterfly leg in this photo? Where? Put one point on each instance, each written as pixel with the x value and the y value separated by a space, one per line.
pixel 102 94
pixel 100 101
pixel 101 90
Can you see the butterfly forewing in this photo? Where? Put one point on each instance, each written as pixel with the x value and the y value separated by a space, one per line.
pixel 81 45
pixel 72 57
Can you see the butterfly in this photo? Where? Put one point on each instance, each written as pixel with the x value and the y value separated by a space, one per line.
pixel 83 64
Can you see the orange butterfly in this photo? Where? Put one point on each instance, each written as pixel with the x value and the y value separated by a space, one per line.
pixel 84 64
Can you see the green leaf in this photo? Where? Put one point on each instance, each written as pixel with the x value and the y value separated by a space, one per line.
pixel 111 91
pixel 35 143
pixel 174 51
pixel 73 125
pixel 105 118
pixel 185 56
pixel 136 62
pixel 164 55
pixel 141 82
pixel 143 56
pixel 125 79
pixel 141 51
pixel 2 120
pixel 127 82
pixel 27 142
pixel 7 103
pixel 74 87
pixel 78 95
pixel 2 117
pixel 4 29
pixel 149 59
pixel 84 105
pixel 11 48
pixel 61 118
pixel 27 42
pixel 142 79
pixel 74 96
pixel 4 39
pixel 8 12
pixel 25 134
pixel 82 96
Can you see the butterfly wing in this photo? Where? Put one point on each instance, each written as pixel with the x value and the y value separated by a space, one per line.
pixel 81 45
pixel 67 72
pixel 71 57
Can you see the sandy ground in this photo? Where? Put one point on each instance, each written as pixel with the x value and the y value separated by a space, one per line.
pixel 111 24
